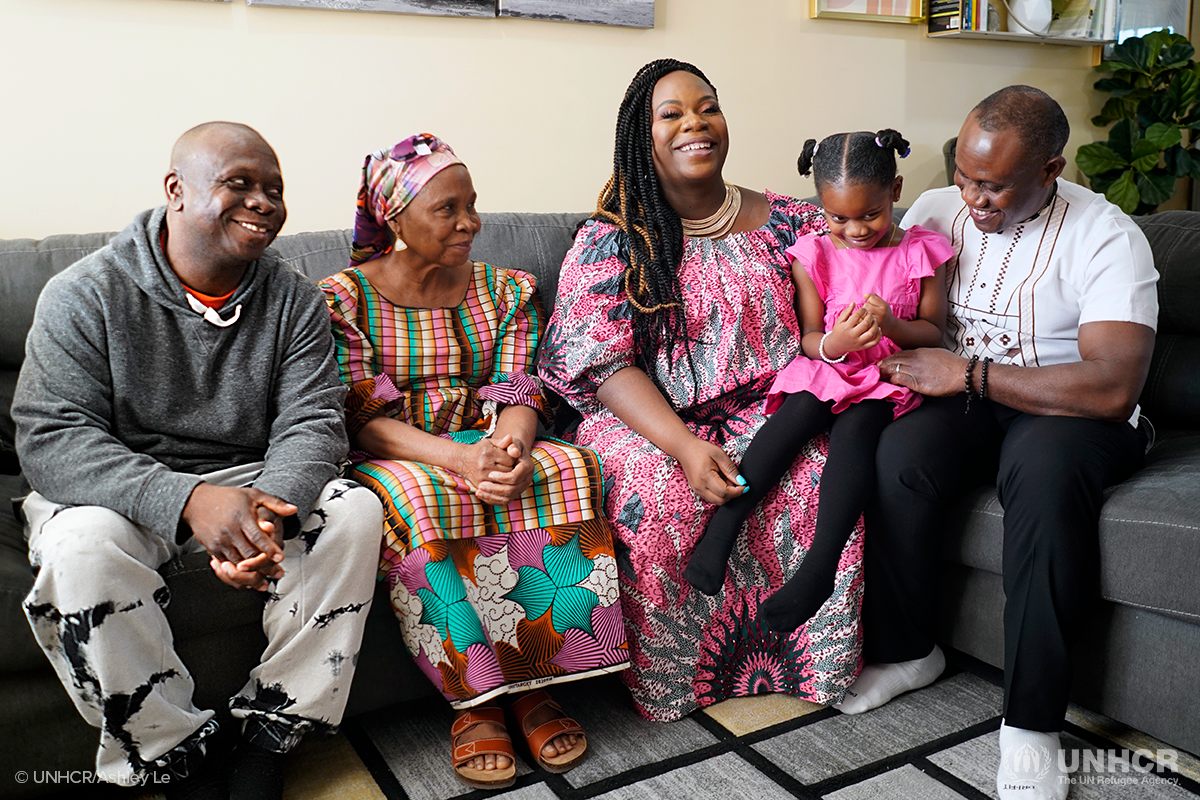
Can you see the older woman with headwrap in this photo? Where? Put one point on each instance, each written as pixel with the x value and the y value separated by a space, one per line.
pixel 498 561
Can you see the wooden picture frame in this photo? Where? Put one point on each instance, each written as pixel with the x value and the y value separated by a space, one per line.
pixel 904 11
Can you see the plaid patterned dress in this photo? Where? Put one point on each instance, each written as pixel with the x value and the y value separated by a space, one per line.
pixel 491 599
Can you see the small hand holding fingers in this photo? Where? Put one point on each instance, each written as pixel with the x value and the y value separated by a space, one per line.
pixel 858 332
pixel 844 318
pixel 877 306
pixel 877 334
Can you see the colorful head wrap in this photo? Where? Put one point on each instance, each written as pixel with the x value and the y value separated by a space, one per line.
pixel 391 178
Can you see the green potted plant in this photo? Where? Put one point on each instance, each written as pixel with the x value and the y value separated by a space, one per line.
pixel 1153 110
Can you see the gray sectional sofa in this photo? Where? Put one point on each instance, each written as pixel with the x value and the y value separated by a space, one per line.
pixel 1138 663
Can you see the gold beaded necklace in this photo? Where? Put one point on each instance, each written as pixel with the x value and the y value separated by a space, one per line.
pixel 720 223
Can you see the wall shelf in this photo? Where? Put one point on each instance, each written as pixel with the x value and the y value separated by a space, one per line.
pixel 1075 23
pixel 1006 36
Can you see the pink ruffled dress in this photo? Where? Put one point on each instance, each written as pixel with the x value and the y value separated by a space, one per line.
pixel 842 277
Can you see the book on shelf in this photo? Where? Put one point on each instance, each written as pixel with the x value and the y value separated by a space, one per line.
pixel 945 15
pixel 1108 19
pixel 966 15
pixel 1076 19
pixel 1072 19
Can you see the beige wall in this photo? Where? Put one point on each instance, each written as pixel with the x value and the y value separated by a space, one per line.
pixel 95 92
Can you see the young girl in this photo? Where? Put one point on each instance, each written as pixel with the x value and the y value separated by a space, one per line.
pixel 865 289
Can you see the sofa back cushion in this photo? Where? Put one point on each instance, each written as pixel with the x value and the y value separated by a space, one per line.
pixel 535 243
pixel 25 266
pixel 532 242
pixel 1171 397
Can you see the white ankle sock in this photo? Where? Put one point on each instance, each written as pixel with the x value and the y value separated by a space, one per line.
pixel 1030 766
pixel 878 683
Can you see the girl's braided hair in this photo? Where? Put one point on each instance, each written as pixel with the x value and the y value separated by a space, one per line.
pixel 853 158
pixel 634 202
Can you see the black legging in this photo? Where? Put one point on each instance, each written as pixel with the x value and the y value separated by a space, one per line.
pixel 847 482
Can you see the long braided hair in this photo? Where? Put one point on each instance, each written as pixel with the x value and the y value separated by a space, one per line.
pixel 634 202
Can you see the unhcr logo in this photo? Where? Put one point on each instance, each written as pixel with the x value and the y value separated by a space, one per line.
pixel 1024 766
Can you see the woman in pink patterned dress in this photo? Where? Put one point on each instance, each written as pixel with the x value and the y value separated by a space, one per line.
pixel 667 334
pixel 497 556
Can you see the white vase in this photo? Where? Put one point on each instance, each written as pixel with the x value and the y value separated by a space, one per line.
pixel 1035 14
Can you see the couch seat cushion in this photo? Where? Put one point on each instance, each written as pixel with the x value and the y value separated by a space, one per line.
pixel 1149 532
pixel 20 651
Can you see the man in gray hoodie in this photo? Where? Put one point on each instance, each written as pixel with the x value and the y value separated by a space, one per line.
pixel 179 394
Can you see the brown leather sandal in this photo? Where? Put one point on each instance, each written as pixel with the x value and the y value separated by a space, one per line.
pixel 462 754
pixel 537 738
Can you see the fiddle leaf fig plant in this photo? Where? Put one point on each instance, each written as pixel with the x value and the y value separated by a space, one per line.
pixel 1154 113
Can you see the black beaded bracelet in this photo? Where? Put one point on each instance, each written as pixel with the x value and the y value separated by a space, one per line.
pixel 983 380
pixel 967 381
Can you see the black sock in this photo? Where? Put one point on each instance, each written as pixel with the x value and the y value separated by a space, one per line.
pixel 770 455
pixel 846 484
pixel 257 773
pixel 797 600
pixel 207 775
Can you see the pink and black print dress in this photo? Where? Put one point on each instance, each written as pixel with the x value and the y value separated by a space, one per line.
pixel 491 599
pixel 689 650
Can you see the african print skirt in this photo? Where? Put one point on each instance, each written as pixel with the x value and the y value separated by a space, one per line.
pixel 497 599
pixel 689 650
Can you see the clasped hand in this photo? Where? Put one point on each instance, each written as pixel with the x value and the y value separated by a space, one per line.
pixel 240 529
pixel 498 471
pixel 857 327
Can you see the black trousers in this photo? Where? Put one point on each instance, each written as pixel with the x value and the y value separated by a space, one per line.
pixel 1050 474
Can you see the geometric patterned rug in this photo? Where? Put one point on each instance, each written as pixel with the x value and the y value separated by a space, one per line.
pixel 938 743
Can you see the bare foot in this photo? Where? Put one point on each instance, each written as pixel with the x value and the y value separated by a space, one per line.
pixel 559 745
pixel 485 730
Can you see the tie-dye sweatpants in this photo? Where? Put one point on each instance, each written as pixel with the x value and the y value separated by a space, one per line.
pixel 96 609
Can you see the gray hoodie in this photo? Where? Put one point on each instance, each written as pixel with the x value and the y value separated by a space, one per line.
pixel 127 394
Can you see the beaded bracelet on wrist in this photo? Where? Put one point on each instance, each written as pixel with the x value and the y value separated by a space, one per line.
pixel 983 379
pixel 825 358
pixel 967 381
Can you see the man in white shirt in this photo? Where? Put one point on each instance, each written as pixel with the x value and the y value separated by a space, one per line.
pixel 1051 326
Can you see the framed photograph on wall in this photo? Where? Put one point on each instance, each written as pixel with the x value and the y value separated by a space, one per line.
pixel 909 11
pixel 630 13
pixel 447 8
